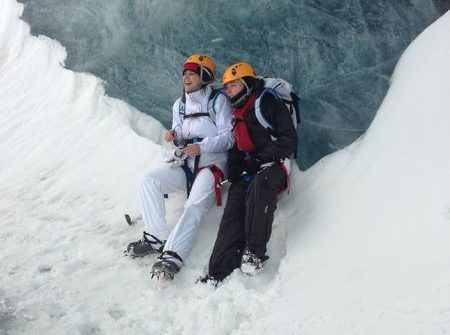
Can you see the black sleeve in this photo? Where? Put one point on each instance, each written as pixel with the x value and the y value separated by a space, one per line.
pixel 280 118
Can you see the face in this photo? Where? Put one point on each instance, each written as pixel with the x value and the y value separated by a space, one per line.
pixel 191 81
pixel 233 87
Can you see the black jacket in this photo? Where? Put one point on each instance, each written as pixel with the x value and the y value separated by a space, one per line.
pixel 266 150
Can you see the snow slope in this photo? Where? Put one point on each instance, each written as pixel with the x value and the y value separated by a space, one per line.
pixel 368 251
pixel 360 245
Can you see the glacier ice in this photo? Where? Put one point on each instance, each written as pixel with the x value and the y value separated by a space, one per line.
pixel 338 54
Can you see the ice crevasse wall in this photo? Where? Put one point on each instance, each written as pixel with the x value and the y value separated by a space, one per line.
pixel 338 54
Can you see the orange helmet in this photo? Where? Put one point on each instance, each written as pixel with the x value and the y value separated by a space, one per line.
pixel 205 63
pixel 238 71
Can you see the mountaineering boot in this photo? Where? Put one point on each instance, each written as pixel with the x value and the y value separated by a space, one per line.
pixel 149 244
pixel 207 279
pixel 251 264
pixel 167 265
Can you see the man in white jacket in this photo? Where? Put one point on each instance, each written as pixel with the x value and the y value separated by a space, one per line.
pixel 200 137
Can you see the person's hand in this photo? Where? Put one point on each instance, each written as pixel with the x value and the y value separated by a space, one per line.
pixel 168 136
pixel 192 150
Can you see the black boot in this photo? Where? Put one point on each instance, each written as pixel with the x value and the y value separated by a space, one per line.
pixel 149 244
pixel 207 279
pixel 251 264
pixel 167 265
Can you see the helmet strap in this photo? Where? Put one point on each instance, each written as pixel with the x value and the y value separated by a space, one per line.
pixel 239 99
pixel 247 89
pixel 204 69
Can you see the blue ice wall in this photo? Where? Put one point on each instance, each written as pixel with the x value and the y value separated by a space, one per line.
pixel 338 54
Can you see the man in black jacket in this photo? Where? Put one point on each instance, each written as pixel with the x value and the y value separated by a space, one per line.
pixel 258 170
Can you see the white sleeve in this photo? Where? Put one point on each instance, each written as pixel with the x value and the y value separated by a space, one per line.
pixel 224 140
pixel 176 119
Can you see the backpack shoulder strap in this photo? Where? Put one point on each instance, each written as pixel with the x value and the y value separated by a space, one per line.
pixel 282 91
pixel 215 93
pixel 258 110
pixel 182 107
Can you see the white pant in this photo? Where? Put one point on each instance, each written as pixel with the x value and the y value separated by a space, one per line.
pixel 166 180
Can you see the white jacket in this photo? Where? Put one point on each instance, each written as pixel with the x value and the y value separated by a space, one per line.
pixel 217 134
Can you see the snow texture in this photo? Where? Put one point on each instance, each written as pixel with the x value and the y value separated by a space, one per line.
pixel 360 246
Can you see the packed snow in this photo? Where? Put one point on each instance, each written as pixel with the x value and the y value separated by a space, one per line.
pixel 359 246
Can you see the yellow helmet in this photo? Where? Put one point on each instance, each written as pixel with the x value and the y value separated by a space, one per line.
pixel 205 63
pixel 238 71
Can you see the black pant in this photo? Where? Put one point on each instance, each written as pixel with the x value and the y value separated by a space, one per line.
pixel 246 221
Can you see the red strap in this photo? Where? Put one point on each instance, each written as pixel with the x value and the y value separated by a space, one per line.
pixel 218 178
pixel 288 180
